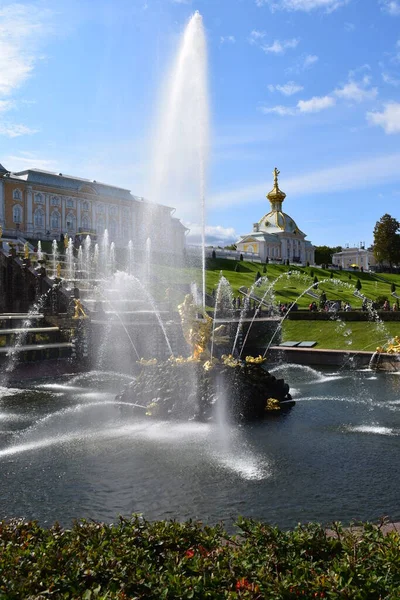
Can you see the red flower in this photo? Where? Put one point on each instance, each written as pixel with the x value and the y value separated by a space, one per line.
pixel 189 553
pixel 242 584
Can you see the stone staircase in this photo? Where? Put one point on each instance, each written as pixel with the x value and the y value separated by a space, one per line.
pixel 30 338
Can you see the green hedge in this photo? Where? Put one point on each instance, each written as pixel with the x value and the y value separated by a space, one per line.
pixel 353 315
pixel 138 559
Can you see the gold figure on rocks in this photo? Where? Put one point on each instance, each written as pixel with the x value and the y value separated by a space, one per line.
pixel 26 251
pixel 79 312
pixel 197 332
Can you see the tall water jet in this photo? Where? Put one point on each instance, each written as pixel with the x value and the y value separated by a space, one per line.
pixel 69 256
pixel 181 138
pixel 130 257
pixel 39 251
pixel 86 255
pixel 54 257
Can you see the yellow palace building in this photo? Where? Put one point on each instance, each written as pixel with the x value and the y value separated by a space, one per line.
pixel 40 204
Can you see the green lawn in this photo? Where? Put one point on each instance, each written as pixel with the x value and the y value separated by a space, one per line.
pixel 339 335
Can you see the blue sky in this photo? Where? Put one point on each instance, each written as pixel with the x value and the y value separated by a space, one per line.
pixel 309 86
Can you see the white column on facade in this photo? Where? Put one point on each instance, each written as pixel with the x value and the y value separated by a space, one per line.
pixel 2 203
pixel 93 216
pixel 29 210
pixel 47 211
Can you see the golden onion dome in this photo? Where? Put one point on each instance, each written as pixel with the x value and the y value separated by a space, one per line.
pixel 276 195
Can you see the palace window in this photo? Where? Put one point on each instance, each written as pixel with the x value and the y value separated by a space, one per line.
pixel 39 218
pixel 70 203
pixel 100 208
pixel 85 205
pixel 39 198
pixel 17 195
pixel 100 226
pixel 17 214
pixel 86 223
pixel 55 201
pixel 113 210
pixel 112 226
pixel 55 219
pixel 125 230
pixel 70 221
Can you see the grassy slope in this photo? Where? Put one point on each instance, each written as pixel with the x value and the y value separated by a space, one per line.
pixel 328 334
pixel 289 289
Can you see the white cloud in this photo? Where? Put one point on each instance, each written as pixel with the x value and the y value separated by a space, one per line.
pixel 357 91
pixel 392 7
pixel 309 60
pixel 280 47
pixel 6 105
pixel 390 80
pixel 255 36
pixel 280 110
pixel 357 175
pixel 316 104
pixel 303 5
pixel 27 160
pixel 303 63
pixel 227 38
pixel 13 130
pixel 22 29
pixel 215 235
pixel 389 118
pixel 288 89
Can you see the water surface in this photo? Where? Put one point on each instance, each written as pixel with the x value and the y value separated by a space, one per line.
pixel 68 450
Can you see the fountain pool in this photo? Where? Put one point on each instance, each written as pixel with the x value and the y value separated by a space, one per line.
pixel 69 449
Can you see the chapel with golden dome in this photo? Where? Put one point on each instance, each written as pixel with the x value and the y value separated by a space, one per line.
pixel 276 236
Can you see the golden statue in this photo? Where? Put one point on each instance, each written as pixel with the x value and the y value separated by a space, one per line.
pixel 275 173
pixel 58 270
pixel 79 312
pixel 197 332
pixel 66 240
pixel 26 251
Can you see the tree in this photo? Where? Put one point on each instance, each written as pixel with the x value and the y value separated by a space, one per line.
pixel 231 247
pixel 237 267
pixel 358 285
pixel 323 254
pixel 258 276
pixel 315 281
pixel 387 240
pixel 241 257
pixel 393 287
pixel 264 269
pixel 213 255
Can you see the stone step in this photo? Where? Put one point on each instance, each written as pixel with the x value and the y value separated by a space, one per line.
pixel 18 317
pixel 27 347
pixel 28 330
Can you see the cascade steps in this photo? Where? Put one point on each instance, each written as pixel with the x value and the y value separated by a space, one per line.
pixel 31 343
